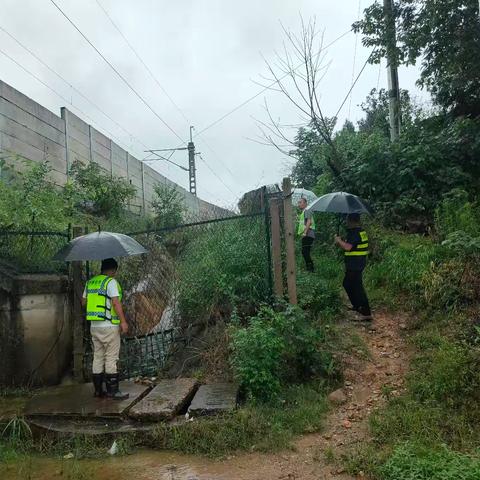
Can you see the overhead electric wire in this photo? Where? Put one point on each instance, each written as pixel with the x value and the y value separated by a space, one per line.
pixel 34 55
pixel 268 87
pixel 60 96
pixel 355 56
pixel 354 83
pixel 125 81
pixel 217 176
pixel 155 79
pixel 140 59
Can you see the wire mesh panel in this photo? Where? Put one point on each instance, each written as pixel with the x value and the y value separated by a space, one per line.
pixel 198 271
pixel 144 355
pixel 32 252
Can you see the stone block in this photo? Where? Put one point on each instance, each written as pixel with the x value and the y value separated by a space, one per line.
pixel 165 401
pixel 214 398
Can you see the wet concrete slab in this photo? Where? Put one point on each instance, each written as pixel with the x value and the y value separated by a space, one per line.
pixel 214 398
pixel 78 401
pixel 165 401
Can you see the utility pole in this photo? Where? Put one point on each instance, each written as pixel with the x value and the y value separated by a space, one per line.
pixel 392 65
pixel 192 170
pixel 191 165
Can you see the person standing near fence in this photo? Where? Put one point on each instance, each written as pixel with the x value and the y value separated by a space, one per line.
pixel 355 248
pixel 306 231
pixel 102 298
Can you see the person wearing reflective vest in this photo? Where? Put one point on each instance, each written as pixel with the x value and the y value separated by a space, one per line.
pixel 306 231
pixel 102 298
pixel 355 248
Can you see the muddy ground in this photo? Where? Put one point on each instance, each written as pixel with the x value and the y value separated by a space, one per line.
pixel 370 375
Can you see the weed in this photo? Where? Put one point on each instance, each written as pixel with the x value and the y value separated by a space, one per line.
pixel 415 462
pixel 329 455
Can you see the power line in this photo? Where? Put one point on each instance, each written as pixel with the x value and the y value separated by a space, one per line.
pixel 355 56
pixel 117 28
pixel 155 79
pixel 215 154
pixel 71 86
pixel 217 176
pixel 127 83
pixel 355 82
pixel 268 87
pixel 61 96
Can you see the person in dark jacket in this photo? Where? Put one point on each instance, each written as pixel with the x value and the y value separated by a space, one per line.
pixel 355 247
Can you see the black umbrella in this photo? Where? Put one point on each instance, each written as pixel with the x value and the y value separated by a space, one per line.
pixel 339 202
pixel 98 246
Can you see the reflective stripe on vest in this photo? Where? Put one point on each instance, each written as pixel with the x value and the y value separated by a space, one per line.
pixel 97 300
pixel 361 249
pixel 301 223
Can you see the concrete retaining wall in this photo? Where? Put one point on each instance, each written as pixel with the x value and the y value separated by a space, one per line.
pixel 33 132
pixel 35 330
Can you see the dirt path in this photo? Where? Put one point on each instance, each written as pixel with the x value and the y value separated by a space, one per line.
pixel 366 379
pixel 368 376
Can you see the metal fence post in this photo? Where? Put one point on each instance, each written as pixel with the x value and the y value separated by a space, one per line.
pixel 289 240
pixel 77 314
pixel 268 236
pixel 276 247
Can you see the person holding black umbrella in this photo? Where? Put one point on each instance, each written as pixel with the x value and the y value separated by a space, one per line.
pixel 355 247
pixel 102 298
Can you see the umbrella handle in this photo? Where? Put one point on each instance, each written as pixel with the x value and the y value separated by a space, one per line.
pixel 339 221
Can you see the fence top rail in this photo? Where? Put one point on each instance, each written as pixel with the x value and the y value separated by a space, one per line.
pixel 34 234
pixel 196 224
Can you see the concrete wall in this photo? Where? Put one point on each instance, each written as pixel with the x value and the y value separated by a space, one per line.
pixel 35 335
pixel 33 132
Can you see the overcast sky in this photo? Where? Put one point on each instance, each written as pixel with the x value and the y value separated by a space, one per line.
pixel 206 54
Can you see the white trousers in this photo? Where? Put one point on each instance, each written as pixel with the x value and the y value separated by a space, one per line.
pixel 106 349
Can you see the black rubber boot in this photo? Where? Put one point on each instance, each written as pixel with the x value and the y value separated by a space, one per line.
pixel 113 390
pixel 98 385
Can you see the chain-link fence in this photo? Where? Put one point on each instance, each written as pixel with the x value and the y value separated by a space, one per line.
pixel 32 252
pixel 194 274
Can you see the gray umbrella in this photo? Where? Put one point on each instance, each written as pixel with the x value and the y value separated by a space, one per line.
pixel 339 202
pixel 98 246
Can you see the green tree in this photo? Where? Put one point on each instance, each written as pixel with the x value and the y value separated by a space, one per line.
pixel 94 192
pixel 445 35
pixel 168 206
pixel 310 155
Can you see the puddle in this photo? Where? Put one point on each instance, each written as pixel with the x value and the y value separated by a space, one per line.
pixel 146 465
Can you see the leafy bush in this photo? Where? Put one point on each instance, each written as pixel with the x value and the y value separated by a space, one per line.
pixel 414 462
pixel 277 348
pixel 96 192
pixel 28 202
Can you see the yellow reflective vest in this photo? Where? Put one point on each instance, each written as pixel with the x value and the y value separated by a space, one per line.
pixel 361 250
pixel 99 304
pixel 301 223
